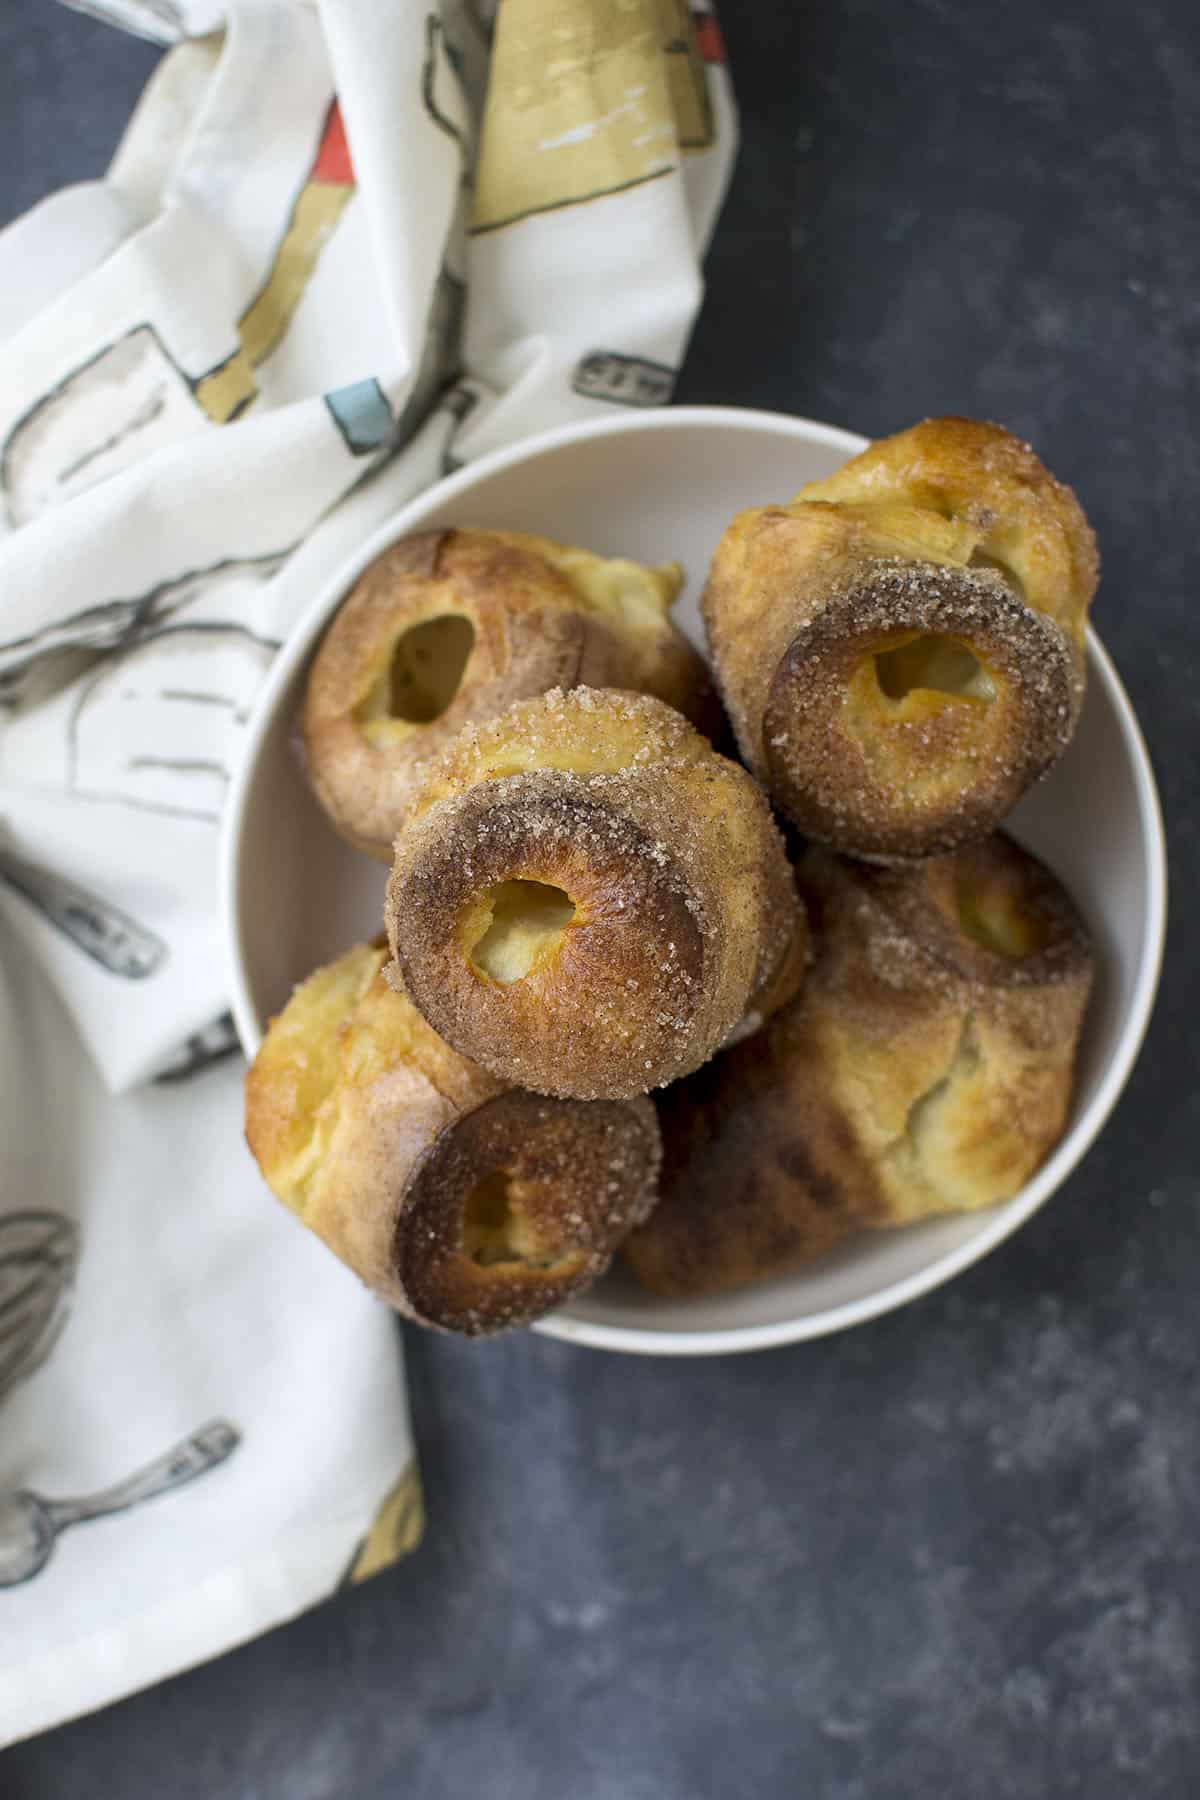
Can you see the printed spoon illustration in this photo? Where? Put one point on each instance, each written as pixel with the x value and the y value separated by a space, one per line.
pixel 29 1523
pixel 38 1254
pixel 101 930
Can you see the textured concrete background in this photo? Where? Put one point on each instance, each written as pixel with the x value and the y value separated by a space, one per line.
pixel 956 1551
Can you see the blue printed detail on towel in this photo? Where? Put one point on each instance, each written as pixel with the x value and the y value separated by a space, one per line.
pixel 362 415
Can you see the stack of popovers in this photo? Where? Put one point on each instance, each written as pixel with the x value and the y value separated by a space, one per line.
pixel 588 902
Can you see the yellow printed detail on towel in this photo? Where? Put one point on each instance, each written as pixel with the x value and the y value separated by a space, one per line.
pixel 395 1531
pixel 226 391
pixel 586 97
pixel 686 77
pixel 317 211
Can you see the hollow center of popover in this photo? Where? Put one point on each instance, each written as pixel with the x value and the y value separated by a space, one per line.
pixel 494 1229
pixel 427 667
pixel 996 918
pixel 525 929
pixel 488 1221
pixel 932 663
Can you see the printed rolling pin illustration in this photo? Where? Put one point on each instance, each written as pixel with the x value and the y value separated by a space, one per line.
pixel 38 1256
pixel 29 1523
pixel 134 396
pixel 101 930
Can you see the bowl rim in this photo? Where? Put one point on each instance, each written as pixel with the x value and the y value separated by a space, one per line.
pixel 1008 1216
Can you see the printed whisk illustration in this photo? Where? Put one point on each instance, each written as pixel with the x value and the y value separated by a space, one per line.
pixel 39 1253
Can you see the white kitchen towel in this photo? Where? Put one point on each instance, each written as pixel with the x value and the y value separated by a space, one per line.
pixel 342 248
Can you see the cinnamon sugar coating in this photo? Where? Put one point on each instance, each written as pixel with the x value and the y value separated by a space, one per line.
pixel 678 913
pixel 448 628
pixel 464 1203
pixel 925 1068
pixel 902 647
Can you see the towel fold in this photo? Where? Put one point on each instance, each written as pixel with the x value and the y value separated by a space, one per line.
pixel 341 249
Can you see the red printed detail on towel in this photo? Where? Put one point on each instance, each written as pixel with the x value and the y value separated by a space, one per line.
pixel 333 163
pixel 709 41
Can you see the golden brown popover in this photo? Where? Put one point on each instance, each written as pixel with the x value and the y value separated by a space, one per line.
pixel 901 649
pixel 587 899
pixel 446 629
pixel 466 1204
pixel 925 1068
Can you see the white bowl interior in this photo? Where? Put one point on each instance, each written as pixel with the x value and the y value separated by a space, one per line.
pixel 658 487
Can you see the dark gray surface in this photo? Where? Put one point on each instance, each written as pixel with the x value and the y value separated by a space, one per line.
pixel 957 1551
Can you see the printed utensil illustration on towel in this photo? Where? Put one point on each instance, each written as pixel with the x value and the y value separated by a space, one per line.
pixel 39 1252
pixel 30 1523
pixel 101 930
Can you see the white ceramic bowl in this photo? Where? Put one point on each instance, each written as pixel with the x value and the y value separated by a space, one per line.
pixel 663 485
